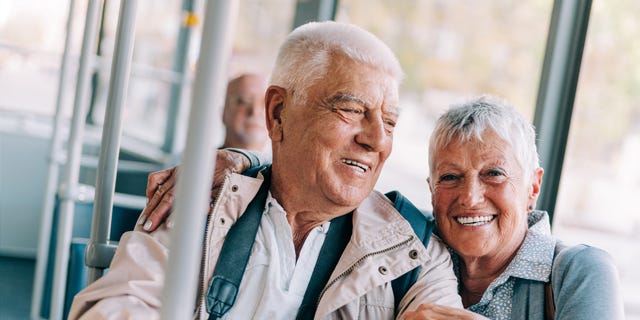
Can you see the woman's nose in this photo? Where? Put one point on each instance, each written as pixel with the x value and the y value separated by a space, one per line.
pixel 472 193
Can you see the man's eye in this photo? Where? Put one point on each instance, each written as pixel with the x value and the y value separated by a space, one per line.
pixel 391 124
pixel 354 111
pixel 448 177
pixel 351 113
pixel 241 100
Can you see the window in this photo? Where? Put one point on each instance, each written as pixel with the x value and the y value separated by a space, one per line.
pixel 600 179
pixel 31 42
pixel 450 50
pixel 30 56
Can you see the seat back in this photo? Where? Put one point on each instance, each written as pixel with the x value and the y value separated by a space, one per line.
pixel 123 219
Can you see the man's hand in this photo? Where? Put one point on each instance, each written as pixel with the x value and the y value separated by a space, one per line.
pixel 161 187
pixel 434 311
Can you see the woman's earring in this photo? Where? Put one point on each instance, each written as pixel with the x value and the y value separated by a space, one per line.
pixel 530 207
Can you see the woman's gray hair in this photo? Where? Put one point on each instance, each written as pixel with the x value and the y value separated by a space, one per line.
pixel 470 119
pixel 304 56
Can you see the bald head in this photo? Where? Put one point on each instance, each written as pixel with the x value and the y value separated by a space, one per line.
pixel 243 115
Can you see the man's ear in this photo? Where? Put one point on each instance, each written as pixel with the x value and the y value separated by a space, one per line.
pixel 275 103
pixel 226 114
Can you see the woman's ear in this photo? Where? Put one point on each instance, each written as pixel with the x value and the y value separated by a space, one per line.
pixel 275 105
pixel 534 192
pixel 431 191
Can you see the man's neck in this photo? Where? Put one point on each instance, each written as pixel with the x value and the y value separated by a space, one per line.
pixel 260 147
pixel 301 227
pixel 304 214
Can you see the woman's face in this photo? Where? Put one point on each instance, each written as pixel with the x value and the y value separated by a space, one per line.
pixel 481 195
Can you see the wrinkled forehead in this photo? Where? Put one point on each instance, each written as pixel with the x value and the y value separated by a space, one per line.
pixel 370 84
pixel 484 138
pixel 443 140
pixel 489 146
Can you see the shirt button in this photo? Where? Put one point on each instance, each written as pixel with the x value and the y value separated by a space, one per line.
pixel 234 188
pixel 413 254
pixel 383 270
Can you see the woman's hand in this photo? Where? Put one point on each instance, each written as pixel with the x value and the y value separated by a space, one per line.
pixel 434 311
pixel 161 187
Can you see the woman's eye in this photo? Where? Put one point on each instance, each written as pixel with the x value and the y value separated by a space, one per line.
pixel 494 173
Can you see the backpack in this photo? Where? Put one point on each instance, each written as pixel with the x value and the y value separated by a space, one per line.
pixel 236 250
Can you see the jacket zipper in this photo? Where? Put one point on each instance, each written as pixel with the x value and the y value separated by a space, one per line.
pixel 205 249
pixel 358 262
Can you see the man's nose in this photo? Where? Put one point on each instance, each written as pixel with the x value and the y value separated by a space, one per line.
pixel 256 108
pixel 373 136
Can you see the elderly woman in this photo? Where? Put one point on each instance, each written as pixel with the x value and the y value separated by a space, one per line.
pixel 485 180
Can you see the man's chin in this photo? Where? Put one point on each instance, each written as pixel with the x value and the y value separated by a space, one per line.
pixel 351 198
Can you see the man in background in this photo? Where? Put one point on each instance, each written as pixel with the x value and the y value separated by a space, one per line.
pixel 243 115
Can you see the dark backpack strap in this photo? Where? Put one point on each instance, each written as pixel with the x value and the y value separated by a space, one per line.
pixel 235 252
pixel 549 302
pixel 422 226
pixel 336 240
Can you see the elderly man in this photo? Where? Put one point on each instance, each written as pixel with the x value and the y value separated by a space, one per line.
pixel 243 115
pixel 331 108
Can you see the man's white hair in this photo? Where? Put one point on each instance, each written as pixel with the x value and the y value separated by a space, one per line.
pixel 304 57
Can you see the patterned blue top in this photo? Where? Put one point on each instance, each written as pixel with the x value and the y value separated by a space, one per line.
pixel 533 262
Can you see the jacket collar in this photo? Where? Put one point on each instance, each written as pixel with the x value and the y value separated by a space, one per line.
pixel 381 238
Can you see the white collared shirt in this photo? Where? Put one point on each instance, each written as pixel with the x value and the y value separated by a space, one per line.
pixel 273 284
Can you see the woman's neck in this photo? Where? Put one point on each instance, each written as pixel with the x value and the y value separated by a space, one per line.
pixel 477 273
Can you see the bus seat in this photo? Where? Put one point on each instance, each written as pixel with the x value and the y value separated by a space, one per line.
pixel 123 219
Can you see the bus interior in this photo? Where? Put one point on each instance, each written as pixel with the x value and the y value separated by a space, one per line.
pixel 97 94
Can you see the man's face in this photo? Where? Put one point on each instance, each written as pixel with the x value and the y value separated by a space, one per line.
pixel 333 144
pixel 244 111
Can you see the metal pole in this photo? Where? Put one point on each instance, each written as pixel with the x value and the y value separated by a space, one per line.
pixel 95 79
pixel 314 10
pixel 55 160
pixel 556 94
pixel 189 21
pixel 111 133
pixel 68 189
pixel 194 184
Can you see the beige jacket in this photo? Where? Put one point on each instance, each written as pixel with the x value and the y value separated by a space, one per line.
pixel 359 287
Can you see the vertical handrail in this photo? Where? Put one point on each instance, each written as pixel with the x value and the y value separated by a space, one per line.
pixel 55 149
pixel 557 91
pixel 188 22
pixel 68 190
pixel 111 134
pixel 194 183
pixel 314 10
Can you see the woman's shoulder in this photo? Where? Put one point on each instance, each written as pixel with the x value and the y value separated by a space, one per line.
pixel 576 259
pixel 585 284
pixel 581 253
